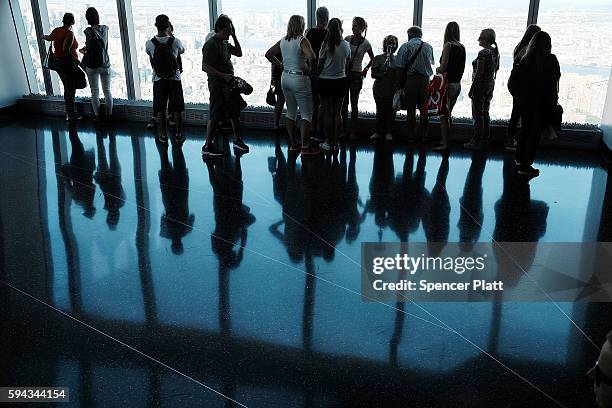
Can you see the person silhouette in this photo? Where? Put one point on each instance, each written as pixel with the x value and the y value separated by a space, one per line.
pixel 78 173
pixel 177 221
pixel 471 215
pixel 109 178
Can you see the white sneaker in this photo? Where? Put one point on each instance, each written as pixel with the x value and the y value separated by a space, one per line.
pixel 326 146
pixel 375 136
pixel 388 137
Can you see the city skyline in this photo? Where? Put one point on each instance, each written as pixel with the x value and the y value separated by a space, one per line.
pixel 584 63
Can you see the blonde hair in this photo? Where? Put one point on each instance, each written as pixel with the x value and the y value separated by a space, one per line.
pixel 295 27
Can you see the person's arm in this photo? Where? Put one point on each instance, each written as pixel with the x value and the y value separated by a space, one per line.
pixel 235 49
pixel 367 67
pixel 308 52
pixel 87 42
pixel 271 54
pixel 444 59
pixel 47 37
pixel 179 46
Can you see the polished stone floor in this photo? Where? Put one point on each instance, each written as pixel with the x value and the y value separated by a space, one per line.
pixel 141 276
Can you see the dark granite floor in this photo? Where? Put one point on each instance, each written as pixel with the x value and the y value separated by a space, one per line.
pixel 143 276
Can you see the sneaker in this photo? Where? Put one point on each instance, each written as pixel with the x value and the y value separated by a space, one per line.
pixel 328 147
pixel 211 151
pixel 179 139
pixel 389 137
pixel 240 145
pixel 474 145
pixel 151 124
pixel 309 151
pixel 162 138
pixel 528 171
pixel 376 136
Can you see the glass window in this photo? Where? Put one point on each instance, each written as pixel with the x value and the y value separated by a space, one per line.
pixel 190 21
pixel 507 18
pixel 259 24
pixel 377 16
pixel 108 16
pixel 30 30
pixel 580 33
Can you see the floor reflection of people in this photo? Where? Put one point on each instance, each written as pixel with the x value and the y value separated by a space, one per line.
pixel 232 219
pixel 177 221
pixel 436 218
pixel 471 213
pixel 380 185
pixel 108 178
pixel 78 174
pixel 408 196
pixel 518 218
pixel 350 200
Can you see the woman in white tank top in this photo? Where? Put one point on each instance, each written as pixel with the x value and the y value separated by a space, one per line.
pixel 298 57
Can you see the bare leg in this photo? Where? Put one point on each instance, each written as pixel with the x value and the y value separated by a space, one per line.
pixel 178 119
pixel 354 110
pixel 236 128
pixel 305 125
pixel 162 125
pixel 211 127
pixel 290 124
pixel 278 110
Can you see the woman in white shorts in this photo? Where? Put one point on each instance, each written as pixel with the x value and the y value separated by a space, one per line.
pixel 298 57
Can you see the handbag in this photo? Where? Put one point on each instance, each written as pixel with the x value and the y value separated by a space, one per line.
pixel 49 62
pixel 556 117
pixel 79 79
pixel 271 96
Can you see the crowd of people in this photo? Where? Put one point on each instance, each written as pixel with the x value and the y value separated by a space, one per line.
pixel 319 73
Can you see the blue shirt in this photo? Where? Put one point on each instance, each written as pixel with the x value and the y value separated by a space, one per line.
pixel 422 64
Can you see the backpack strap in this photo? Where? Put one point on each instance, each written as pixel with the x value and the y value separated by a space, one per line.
pixel 170 41
pixel 155 41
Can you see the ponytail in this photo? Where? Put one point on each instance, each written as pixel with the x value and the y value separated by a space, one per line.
pixel 496 54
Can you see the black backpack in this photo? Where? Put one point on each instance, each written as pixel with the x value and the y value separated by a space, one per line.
pixel 164 62
pixel 94 58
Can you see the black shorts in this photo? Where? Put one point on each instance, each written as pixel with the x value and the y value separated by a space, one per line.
pixel 331 87
pixel 220 107
pixel 168 92
pixel 355 80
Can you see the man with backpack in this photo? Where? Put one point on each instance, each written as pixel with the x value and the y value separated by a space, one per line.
pixel 164 50
pixel 216 62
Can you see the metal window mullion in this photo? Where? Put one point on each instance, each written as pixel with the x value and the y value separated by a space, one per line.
pixel 417 13
pixel 41 24
pixel 532 17
pixel 214 9
pixel 311 10
pixel 22 40
pixel 128 46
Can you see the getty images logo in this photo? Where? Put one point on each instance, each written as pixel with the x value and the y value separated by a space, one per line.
pixel 413 264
